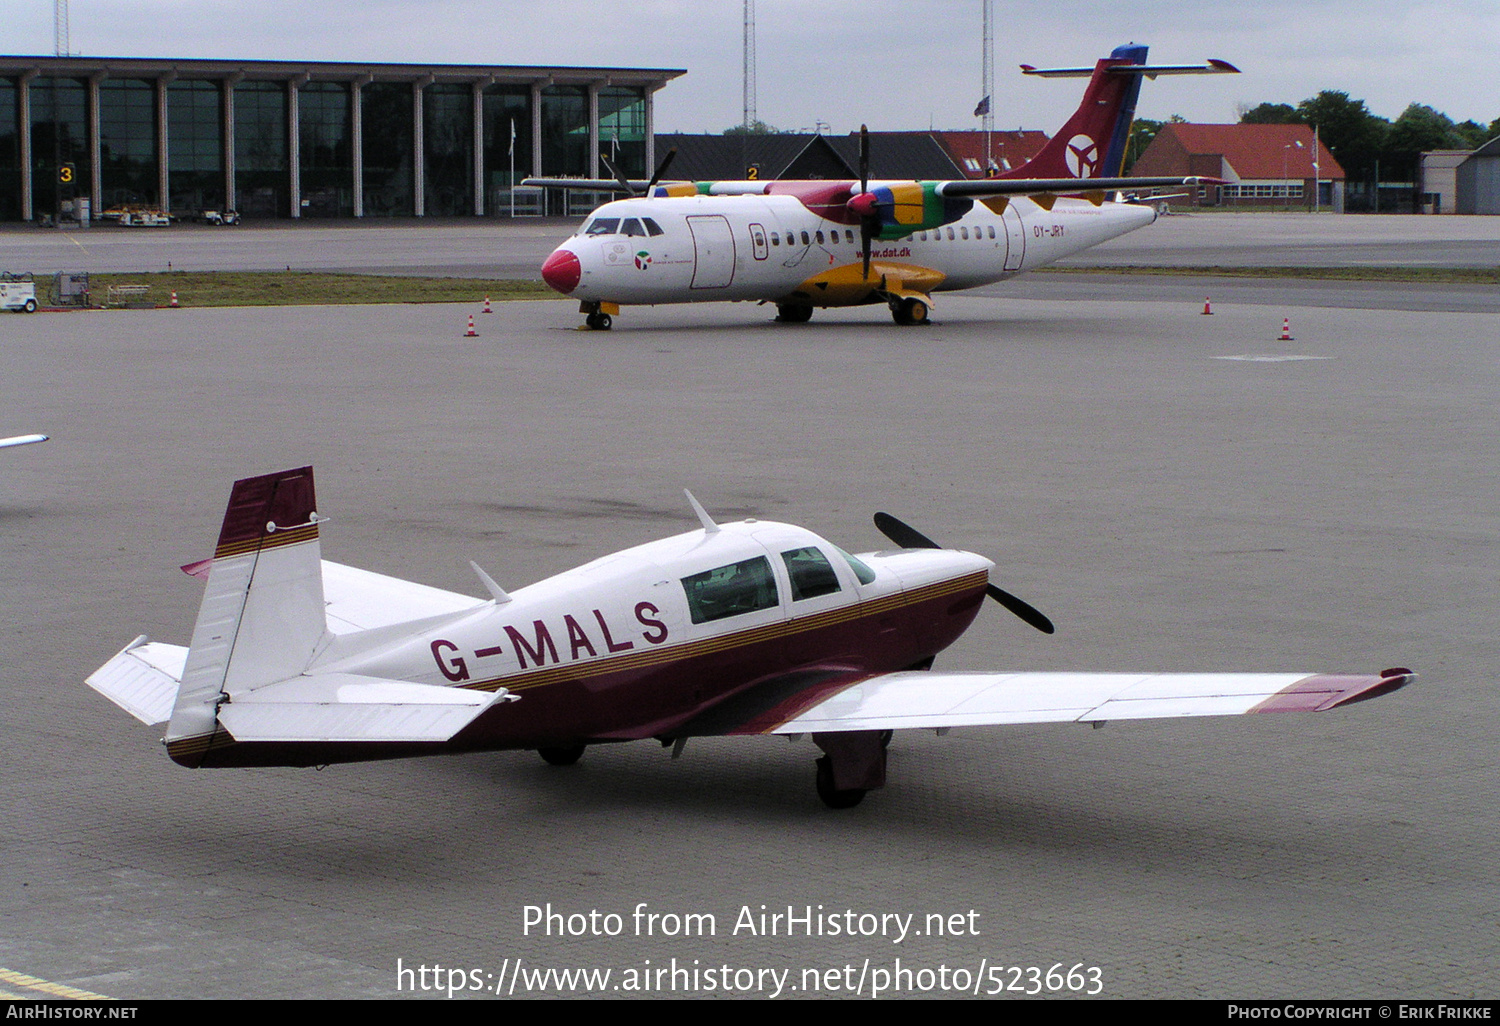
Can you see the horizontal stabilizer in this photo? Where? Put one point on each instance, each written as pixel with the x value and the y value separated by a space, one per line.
pixel 1212 67
pixel 142 679
pixel 925 699
pixel 345 707
pixel 360 600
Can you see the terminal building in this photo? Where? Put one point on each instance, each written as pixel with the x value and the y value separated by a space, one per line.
pixel 286 139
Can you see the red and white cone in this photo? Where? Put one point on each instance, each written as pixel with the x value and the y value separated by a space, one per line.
pixel 1286 330
pixel 471 333
pixel 487 305
pixel 173 304
pixel 1207 310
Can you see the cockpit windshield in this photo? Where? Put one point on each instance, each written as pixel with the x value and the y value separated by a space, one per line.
pixel 629 226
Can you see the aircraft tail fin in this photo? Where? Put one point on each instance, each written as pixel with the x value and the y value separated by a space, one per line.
pixel 1092 143
pixel 262 614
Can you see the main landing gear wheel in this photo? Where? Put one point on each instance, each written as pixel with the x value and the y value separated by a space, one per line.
pixel 909 311
pixel 598 321
pixel 793 313
pixel 832 796
pixel 566 756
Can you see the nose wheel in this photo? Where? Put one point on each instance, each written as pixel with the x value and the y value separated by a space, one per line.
pixel 598 321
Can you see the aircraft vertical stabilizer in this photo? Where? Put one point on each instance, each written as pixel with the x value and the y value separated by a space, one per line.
pixel 1092 143
pixel 262 612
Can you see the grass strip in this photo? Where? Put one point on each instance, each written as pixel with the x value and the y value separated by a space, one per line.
pixel 1427 275
pixel 311 288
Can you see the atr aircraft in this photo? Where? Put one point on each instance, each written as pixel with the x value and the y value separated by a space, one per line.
pixel 744 628
pixel 806 244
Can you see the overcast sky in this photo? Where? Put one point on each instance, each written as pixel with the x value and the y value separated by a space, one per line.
pixel 895 65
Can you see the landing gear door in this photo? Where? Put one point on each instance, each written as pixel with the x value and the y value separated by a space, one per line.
pixel 1015 238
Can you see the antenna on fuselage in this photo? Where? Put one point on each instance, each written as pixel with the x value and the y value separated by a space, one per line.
pixel 709 527
pixel 496 592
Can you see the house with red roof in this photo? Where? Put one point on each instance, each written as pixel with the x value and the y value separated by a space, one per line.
pixel 1264 167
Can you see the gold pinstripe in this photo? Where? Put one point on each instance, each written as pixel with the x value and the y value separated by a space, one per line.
pixel 654 657
pixel 307 532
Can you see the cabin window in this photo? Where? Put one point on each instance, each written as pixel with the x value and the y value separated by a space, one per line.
pixel 950 234
pixel 775 239
pixel 630 226
pixel 811 574
pixel 731 590
pixel 652 228
pixel 818 238
pixel 861 569
pixel 805 240
pixel 963 233
pixel 992 231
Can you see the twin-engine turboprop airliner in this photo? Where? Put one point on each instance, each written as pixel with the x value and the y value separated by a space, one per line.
pixel 744 628
pixel 806 244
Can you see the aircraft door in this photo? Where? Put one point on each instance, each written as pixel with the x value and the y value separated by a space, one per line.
pixel 713 251
pixel 1015 238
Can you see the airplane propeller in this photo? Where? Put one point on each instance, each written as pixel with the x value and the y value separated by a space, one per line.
pixel 869 216
pixel 909 537
pixel 661 169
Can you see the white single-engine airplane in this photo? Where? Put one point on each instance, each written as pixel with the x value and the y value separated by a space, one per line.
pixel 744 628
pixel 6 443
pixel 805 244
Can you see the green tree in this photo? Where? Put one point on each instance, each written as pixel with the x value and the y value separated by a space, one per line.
pixel 1354 135
pixel 1472 135
pixel 1271 114
pixel 1417 130
pixel 753 128
pixel 1142 131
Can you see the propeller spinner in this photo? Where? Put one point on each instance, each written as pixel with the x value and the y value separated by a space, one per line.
pixel 909 537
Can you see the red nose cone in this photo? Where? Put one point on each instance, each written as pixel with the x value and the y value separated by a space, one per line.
pixel 562 271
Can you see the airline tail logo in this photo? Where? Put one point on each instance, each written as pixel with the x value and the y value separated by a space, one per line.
pixel 1082 156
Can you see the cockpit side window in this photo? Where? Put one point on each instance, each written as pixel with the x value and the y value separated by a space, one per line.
pixel 630 226
pixel 861 569
pixel 731 590
pixel 652 227
pixel 811 574
pixel 603 226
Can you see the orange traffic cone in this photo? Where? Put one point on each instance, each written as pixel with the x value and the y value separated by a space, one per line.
pixel 471 333
pixel 173 303
pixel 1207 310
pixel 487 305
pixel 1286 330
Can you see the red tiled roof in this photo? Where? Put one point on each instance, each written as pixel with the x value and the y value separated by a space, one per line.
pixel 1259 151
pixel 1016 147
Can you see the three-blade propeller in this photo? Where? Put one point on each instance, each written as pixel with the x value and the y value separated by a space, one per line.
pixel 661 169
pixel 908 537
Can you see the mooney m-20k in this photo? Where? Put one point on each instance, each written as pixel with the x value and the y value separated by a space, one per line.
pixel 806 244
pixel 735 628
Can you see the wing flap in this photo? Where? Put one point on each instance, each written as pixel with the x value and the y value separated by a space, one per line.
pixel 346 707
pixel 142 679
pixel 924 699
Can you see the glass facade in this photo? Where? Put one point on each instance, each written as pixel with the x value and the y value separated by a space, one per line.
pixel 195 147
pixel 387 148
pixel 262 185
pixel 448 141
pixel 10 150
pixel 327 164
pixel 565 131
pixel 622 129
pixel 195 135
pixel 59 135
pixel 507 143
pixel 127 143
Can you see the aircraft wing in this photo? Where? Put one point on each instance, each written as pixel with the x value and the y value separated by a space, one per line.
pixel 895 701
pixel 6 443
pixel 979 188
pixel 637 186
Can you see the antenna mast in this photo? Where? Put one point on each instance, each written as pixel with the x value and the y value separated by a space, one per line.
pixel 987 87
pixel 60 27
pixel 750 115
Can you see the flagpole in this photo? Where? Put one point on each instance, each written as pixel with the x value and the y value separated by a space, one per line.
pixel 513 169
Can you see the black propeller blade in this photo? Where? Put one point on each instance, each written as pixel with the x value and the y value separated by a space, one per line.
pixel 624 182
pixel 908 537
pixel 661 169
pixel 870 224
